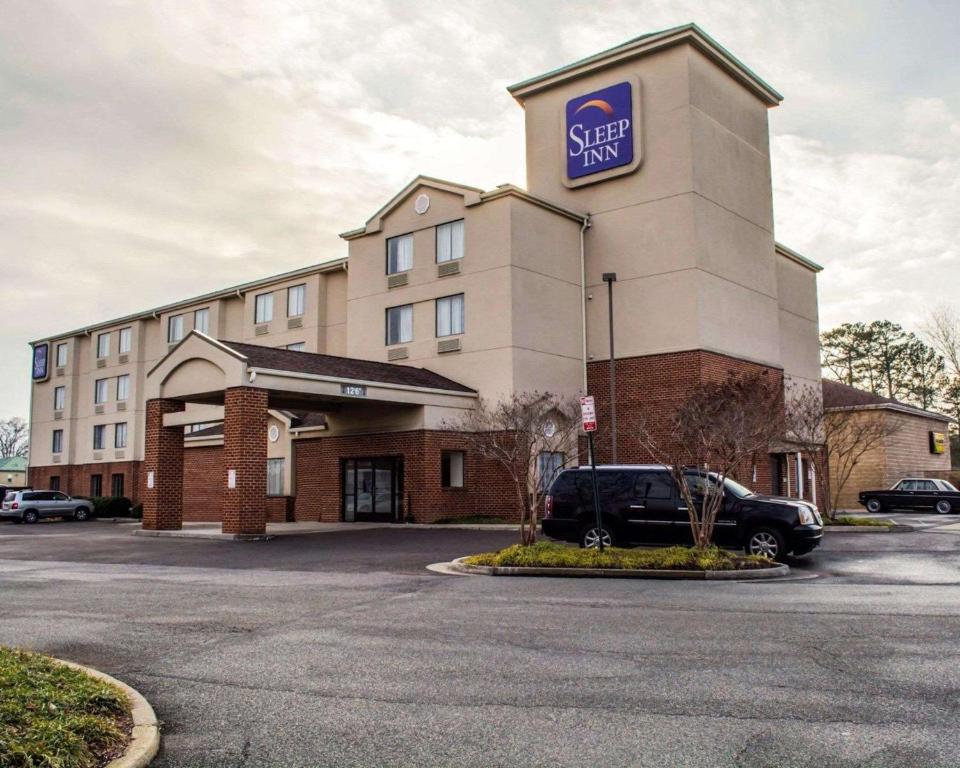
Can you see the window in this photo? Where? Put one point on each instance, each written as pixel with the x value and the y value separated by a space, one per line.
pixel 100 394
pixel 120 435
pixel 125 342
pixel 400 324
pixel 57 446
pixel 59 397
pixel 399 254
pixel 300 346
pixel 116 484
pixel 263 308
pixel 450 241
pixel 451 469
pixel 61 355
pixel 926 485
pixel 295 296
pixel 274 477
pixel 655 486
pixel 103 345
pixel 549 463
pixel 98 433
pixel 123 387
pixel 174 328
pixel 54 482
pixel 96 485
pixel 201 320
pixel 450 315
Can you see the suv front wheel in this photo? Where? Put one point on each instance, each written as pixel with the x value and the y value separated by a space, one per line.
pixel 766 542
pixel 591 535
pixel 81 514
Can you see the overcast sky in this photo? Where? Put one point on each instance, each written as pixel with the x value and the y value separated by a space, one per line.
pixel 150 151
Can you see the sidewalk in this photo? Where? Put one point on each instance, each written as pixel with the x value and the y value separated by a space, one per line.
pixel 213 530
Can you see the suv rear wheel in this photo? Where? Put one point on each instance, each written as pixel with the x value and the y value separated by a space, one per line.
pixel 30 516
pixel 874 506
pixel 767 542
pixel 591 535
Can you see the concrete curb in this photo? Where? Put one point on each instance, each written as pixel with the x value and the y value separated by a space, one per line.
pixel 895 528
pixel 208 536
pixel 145 740
pixel 776 572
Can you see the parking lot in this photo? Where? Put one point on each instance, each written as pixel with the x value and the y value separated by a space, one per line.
pixel 342 649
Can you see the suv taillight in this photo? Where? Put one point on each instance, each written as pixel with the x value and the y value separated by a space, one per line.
pixel 548 506
pixel 15 505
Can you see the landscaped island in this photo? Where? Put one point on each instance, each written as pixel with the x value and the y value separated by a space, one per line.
pixel 547 554
pixel 857 521
pixel 54 715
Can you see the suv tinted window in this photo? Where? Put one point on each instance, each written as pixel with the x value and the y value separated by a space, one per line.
pixel 564 485
pixel 655 485
pixel 10 496
pixel 31 496
pixel 612 486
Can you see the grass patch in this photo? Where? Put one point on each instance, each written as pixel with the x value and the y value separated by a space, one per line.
pixel 474 520
pixel 52 716
pixel 851 520
pixel 547 554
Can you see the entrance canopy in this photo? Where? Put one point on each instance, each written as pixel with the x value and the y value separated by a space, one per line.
pixel 200 369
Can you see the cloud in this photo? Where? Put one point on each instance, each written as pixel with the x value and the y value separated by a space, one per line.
pixel 151 151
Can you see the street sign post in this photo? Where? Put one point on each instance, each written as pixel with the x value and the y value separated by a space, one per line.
pixel 588 417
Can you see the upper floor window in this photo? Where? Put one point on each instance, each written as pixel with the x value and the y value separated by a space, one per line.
pixel 123 387
pixel 399 254
pixel 295 297
pixel 57 446
pixel 400 324
pixel 450 241
pixel 100 391
pixel 300 346
pixel 450 315
pixel 263 308
pixel 61 355
pixel 174 328
pixel 120 435
pixel 99 430
pixel 59 398
pixel 201 320
pixel 125 342
pixel 103 345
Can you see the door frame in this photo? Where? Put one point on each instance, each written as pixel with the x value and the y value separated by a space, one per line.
pixel 395 513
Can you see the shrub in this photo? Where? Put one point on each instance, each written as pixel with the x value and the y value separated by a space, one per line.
pixel 851 520
pixel 547 554
pixel 137 512
pixel 111 506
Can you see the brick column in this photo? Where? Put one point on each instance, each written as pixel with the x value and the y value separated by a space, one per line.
pixel 162 469
pixel 245 453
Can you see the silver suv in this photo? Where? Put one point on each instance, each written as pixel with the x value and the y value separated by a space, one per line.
pixel 30 506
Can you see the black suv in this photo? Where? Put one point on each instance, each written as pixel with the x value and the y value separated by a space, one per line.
pixel 640 504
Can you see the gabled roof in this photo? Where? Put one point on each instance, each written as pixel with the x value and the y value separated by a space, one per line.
pixel 647 44
pixel 353 369
pixel 13 464
pixel 471 195
pixel 839 397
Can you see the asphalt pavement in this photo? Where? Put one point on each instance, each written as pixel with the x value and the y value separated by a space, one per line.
pixel 341 649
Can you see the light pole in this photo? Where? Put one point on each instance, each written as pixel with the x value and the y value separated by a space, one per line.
pixel 610 278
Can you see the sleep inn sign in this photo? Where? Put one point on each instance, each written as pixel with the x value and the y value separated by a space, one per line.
pixel 600 134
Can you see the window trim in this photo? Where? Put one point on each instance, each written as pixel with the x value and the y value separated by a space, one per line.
pixel 106 336
pixel 436 241
pixel 101 430
pixel 444 454
pixel 126 395
pixel 436 316
pixel 99 476
pixel 283 469
pixel 303 299
pixel 256 308
pixel 170 319
pixel 386 266
pixel 386 326
pixel 196 312
pixel 116 435
pixel 59 397
pixel 56 441
pixel 96 391
pixel 66 352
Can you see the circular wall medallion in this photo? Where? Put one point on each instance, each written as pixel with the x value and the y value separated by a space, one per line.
pixel 273 433
pixel 422 204
pixel 549 428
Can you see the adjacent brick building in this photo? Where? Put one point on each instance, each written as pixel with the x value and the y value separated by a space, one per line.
pixel 326 393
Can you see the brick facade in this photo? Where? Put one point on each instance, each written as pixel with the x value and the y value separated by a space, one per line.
pixel 163 456
pixel 204 478
pixel 75 479
pixel 651 387
pixel 245 452
pixel 487 487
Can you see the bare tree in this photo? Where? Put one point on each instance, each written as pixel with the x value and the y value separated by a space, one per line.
pixel 514 433
pixel 713 435
pixel 807 429
pixel 13 437
pixel 850 435
pixel 942 328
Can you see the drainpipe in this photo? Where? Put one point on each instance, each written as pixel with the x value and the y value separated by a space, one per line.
pixel 583 300
pixel 799 475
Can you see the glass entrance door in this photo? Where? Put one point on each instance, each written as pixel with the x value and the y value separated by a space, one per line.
pixel 372 489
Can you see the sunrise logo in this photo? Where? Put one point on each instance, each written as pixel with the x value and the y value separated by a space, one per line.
pixel 599 130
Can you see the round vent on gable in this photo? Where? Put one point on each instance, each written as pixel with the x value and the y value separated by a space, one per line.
pixel 422 204
pixel 273 433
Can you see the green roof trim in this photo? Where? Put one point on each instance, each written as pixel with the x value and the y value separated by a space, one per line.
pixel 13 464
pixel 670 36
